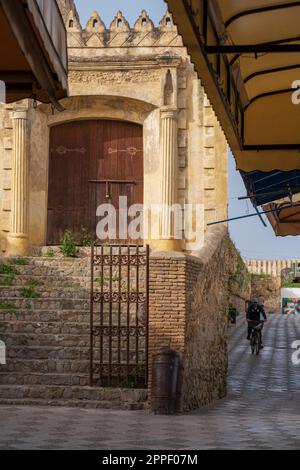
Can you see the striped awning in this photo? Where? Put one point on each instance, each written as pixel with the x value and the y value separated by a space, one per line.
pixel 247 54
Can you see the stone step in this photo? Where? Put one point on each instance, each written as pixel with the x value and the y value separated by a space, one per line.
pixel 53 316
pixel 65 341
pixel 60 268
pixel 82 252
pixel 53 328
pixel 49 340
pixel 27 366
pixel 44 328
pixel 12 303
pixel 35 378
pixel 86 404
pixel 45 261
pixel 49 293
pixel 48 352
pixel 72 316
pixel 61 281
pixel 55 353
pixel 43 366
pixel 74 396
pixel 68 335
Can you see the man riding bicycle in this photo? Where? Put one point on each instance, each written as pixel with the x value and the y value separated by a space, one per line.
pixel 255 315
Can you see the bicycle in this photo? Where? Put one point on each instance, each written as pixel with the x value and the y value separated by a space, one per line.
pixel 255 339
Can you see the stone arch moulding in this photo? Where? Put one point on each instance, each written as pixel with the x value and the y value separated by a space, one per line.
pixel 100 107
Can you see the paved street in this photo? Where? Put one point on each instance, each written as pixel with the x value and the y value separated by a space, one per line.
pixel 262 410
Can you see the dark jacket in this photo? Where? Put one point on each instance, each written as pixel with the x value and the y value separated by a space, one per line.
pixel 254 314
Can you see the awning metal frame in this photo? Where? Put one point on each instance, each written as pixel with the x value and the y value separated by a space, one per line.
pixel 252 48
pixel 221 68
pixel 236 117
pixel 276 210
pixel 254 11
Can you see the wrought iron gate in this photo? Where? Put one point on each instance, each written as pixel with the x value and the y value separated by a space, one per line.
pixel 119 316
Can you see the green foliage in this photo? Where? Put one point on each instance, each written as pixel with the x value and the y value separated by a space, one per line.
pixel 7 281
pixel 20 261
pixel 29 293
pixel 86 239
pixel 68 248
pixel 116 278
pixel 260 276
pixel 7 269
pixel 241 277
pixel 50 253
pixel 289 282
pixel 102 280
pixel 7 306
pixel 28 306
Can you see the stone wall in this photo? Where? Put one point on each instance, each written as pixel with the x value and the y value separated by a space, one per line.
pixel 269 288
pixel 239 281
pixel 189 313
pixel 271 267
pixel 267 277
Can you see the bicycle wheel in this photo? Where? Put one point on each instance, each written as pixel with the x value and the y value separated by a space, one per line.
pixel 257 343
pixel 252 344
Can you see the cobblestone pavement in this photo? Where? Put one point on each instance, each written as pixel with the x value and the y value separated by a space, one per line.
pixel 262 410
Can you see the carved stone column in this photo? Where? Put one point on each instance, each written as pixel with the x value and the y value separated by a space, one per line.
pixel 18 238
pixel 169 152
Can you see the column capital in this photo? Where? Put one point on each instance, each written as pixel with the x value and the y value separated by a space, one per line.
pixel 168 112
pixel 20 114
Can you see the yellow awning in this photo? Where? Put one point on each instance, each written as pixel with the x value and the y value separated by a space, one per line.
pixel 285 219
pixel 247 54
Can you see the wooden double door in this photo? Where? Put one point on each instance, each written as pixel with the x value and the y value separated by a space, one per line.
pixel 91 163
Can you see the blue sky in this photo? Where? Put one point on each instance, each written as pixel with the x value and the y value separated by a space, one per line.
pixel 250 236
pixel 130 8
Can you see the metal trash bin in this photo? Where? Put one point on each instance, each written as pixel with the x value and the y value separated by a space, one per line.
pixel 165 377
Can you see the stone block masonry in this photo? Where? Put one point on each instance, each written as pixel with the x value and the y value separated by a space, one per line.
pixel 268 288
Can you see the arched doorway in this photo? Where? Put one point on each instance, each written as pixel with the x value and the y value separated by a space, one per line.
pixel 91 162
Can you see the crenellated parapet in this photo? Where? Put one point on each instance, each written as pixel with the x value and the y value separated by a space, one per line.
pixel 274 268
pixel 120 33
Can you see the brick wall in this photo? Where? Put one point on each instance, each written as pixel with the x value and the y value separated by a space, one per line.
pixel 167 321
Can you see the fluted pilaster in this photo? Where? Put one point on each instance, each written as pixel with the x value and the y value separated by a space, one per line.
pixel 169 151
pixel 18 238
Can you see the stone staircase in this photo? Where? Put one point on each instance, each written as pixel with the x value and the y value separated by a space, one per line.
pixel 44 322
